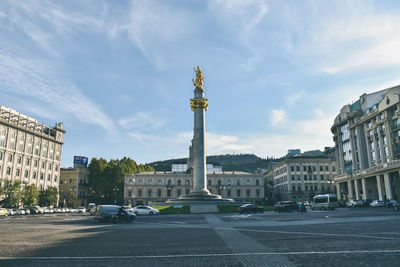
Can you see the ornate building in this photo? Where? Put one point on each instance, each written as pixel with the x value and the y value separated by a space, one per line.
pixel 30 152
pixel 160 186
pixel 367 139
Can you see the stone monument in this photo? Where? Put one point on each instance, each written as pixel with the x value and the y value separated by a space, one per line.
pixel 199 105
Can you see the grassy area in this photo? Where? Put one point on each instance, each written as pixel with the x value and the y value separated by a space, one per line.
pixel 178 209
pixel 233 208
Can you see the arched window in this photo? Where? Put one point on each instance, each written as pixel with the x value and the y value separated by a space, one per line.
pixel 247 182
pixel 209 182
pixel 228 182
pixel 257 182
pixel 179 183
pixel 179 192
pixel 130 181
pixel 187 191
pixel 150 182
pixel 219 182
pixel 169 182
pixel 140 182
pixel 187 183
pixel 159 182
pixel 238 182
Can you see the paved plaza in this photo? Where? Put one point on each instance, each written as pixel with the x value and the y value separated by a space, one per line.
pixel 345 237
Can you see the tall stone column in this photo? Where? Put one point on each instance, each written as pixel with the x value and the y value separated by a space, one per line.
pixel 350 189
pixel 338 193
pixel 364 188
pixel 388 186
pixel 379 187
pixel 356 188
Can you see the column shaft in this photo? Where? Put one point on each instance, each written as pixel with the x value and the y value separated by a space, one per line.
pixel 388 186
pixel 350 189
pixel 364 188
pixel 379 187
pixel 357 196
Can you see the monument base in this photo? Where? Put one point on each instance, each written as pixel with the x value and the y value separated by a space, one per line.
pixel 200 200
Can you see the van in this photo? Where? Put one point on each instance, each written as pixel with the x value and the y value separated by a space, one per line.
pixel 104 213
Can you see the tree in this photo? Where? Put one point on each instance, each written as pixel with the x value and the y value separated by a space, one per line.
pixel 12 194
pixel 30 195
pixel 48 197
pixel 68 197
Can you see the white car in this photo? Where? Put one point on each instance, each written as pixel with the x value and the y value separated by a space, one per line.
pixel 377 203
pixel 145 210
pixel 81 210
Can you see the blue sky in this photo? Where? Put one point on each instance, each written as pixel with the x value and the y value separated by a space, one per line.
pixel 118 73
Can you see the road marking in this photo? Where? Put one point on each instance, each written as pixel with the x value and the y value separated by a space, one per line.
pixel 208 255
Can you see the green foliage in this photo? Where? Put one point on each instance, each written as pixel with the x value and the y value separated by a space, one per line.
pixel 173 210
pixel 30 195
pixel 12 194
pixel 106 178
pixel 68 198
pixel 48 197
pixel 228 208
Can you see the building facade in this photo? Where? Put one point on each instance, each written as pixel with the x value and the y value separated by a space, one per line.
pixel 300 178
pixel 74 180
pixel 143 188
pixel 367 140
pixel 30 152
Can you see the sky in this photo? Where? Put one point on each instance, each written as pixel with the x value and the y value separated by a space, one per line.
pixel 118 74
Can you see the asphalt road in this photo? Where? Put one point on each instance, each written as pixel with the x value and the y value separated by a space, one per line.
pixel 344 237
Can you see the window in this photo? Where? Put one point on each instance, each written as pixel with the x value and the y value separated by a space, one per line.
pixel 322 177
pixel 305 177
pixel 305 168
pixel 2 136
pixel 238 193
pixel 187 192
pixel 34 175
pixel 326 168
pixel 257 182
pixel 130 181
pixel 179 192
pixel 1 155
pixel 140 182
pixel 321 168
pixel 17 172
pixel 35 164
pixel 28 162
pixel 169 182
pixel 26 174
pixel 258 193
pixel 297 168
pixel 149 193
pixel 10 158
pixel 293 178
pixel 130 193
pixel 42 176
pixel 248 192
pixel 44 149
pixel 159 182
pixel 48 177
pixel 169 192
pixel 159 192
pixel 55 178
pixel 50 166
pixel 247 182
pixel 8 171
pixel 150 182
pixel 209 182
pixel 292 168
pixel 187 183
pixel 179 182
pixel 228 182
pixel 139 192
pixel 238 182
pixel 219 182
pixel 43 165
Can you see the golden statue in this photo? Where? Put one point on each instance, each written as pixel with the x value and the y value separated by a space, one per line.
pixel 199 78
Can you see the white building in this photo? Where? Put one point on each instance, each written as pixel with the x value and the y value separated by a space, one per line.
pixel 30 152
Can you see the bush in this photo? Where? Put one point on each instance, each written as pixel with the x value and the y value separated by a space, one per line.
pixel 228 208
pixel 173 210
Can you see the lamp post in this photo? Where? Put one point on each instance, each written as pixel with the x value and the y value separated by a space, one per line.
pixel 115 195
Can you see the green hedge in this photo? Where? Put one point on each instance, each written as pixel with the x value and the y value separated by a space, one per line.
pixel 179 209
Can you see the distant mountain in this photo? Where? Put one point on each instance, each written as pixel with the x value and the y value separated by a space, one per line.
pixel 238 162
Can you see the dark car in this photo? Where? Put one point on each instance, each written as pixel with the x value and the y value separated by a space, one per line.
pixel 285 206
pixel 113 213
pixel 250 208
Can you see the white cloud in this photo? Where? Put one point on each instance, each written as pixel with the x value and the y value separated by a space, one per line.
pixel 25 77
pixel 294 97
pixel 278 116
pixel 141 120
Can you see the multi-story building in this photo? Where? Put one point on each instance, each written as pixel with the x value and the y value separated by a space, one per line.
pixel 367 139
pixel 301 176
pixel 30 152
pixel 76 181
pixel 160 186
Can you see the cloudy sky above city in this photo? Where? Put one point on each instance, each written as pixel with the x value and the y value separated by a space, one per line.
pixel 119 73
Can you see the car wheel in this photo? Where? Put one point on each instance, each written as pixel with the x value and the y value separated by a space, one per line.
pixel 151 213
pixel 136 213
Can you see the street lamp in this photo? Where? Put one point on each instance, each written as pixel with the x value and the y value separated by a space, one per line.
pixel 115 195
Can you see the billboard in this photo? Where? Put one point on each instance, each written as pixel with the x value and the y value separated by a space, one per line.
pixel 80 160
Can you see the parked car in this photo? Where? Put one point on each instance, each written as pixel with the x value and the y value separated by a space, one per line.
pixel 20 212
pixel 10 212
pixel 301 207
pixel 3 212
pixel 352 203
pixel 81 210
pixel 377 203
pixel 285 206
pixel 145 210
pixel 250 208
pixel 391 203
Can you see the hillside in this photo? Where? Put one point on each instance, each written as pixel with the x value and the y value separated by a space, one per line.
pixel 240 162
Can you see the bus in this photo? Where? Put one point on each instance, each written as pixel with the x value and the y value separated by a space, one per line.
pixel 324 202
